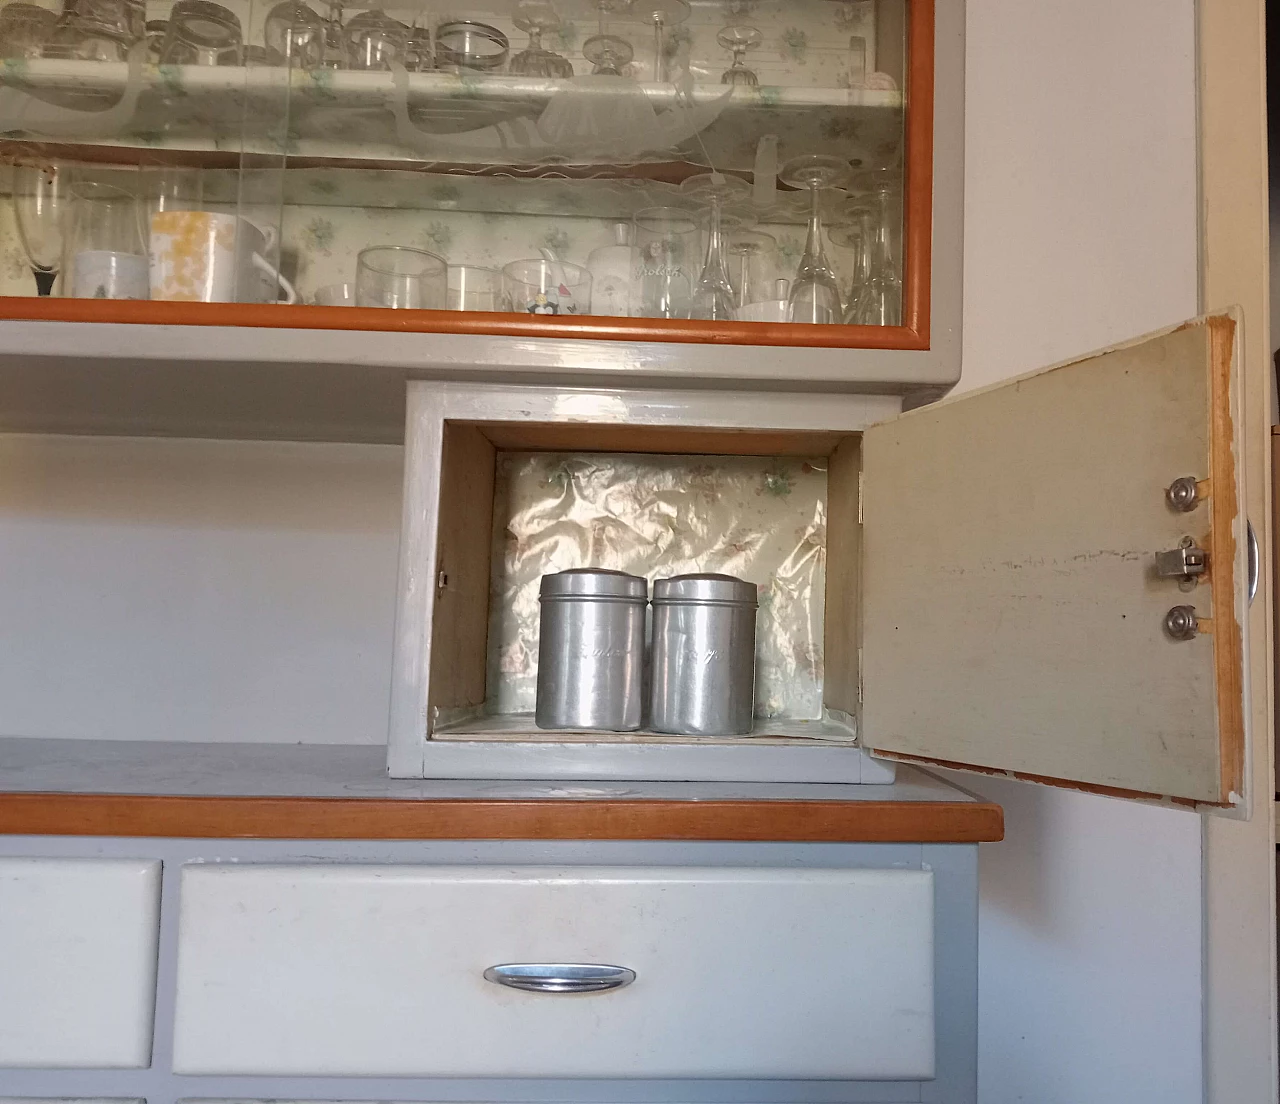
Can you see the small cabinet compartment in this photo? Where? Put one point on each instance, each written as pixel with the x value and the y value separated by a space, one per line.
pixel 380 971
pixel 78 962
pixel 1009 550
pixel 516 499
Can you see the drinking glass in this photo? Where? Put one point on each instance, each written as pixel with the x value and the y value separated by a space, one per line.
pixel 608 55
pixel 201 33
pixel 336 295
pixel 106 249
pixel 24 29
pixel 537 17
pixel 294 35
pixel 418 57
pixel 738 40
pixel 473 287
pixel 713 296
pixel 39 205
pixel 375 40
pixel 815 291
pixel 400 277
pixel 879 301
pixel 661 14
pixel 752 265
pixel 666 247
pixel 542 286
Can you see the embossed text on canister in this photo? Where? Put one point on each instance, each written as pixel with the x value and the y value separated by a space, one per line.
pixel 591 650
pixel 704 655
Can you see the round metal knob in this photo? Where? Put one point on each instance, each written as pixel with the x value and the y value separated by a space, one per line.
pixel 1182 494
pixel 1180 623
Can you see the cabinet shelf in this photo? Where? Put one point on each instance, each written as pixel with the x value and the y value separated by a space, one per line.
pixel 212 114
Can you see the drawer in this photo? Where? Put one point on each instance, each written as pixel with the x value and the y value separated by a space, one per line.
pixel 78 962
pixel 380 970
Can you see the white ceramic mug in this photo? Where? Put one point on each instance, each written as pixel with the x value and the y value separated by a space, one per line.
pixel 205 257
pixel 108 274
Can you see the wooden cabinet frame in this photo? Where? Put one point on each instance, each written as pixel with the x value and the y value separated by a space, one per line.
pixel 919 270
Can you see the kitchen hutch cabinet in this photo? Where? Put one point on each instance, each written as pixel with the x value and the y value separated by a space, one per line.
pixel 298 920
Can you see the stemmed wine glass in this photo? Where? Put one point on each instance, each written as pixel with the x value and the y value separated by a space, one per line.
pixel 853 232
pixel 661 14
pixel 537 17
pixel 815 291
pixel 738 40
pixel 879 301
pixel 40 199
pixel 608 53
pixel 752 267
pixel 713 294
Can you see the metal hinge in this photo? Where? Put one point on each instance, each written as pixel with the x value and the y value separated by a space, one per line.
pixel 860 474
pixel 859 676
pixel 1183 563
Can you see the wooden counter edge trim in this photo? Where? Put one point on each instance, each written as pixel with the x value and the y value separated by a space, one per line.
pixel 79 814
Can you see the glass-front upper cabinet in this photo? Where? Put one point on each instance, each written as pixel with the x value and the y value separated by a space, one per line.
pixel 751 171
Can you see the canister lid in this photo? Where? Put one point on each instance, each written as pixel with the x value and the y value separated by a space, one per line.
pixel 594 582
pixel 707 588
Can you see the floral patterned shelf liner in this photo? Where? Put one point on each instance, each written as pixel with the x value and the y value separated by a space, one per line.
pixel 760 518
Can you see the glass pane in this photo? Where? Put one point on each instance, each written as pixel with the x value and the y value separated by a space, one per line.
pixel 720 159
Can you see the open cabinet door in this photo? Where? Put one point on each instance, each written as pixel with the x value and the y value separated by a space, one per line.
pixel 1014 617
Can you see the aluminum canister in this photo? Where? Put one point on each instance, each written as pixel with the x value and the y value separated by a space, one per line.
pixel 704 655
pixel 591 650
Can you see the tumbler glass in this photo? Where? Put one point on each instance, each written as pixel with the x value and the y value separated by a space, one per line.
pixel 335 295
pixel 201 32
pixel 540 286
pixel 667 251
pixel 106 248
pixel 473 287
pixel 400 277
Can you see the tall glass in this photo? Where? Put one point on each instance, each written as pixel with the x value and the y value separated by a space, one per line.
pixel 713 296
pixel 399 277
pixel 667 256
pixel 879 301
pixel 815 291
pixel 752 265
pixel 40 199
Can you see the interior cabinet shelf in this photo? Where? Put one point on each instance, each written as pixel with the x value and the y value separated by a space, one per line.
pixel 123 113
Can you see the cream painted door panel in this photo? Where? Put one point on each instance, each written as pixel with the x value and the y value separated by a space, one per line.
pixel 1013 619
pixel 77 962
pixel 379 970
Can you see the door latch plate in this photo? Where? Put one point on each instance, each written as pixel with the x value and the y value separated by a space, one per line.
pixel 1184 563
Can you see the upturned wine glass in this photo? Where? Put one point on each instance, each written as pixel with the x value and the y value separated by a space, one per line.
pixel 879 300
pixel 661 14
pixel 40 201
pixel 738 40
pixel 713 294
pixel 537 17
pixel 815 291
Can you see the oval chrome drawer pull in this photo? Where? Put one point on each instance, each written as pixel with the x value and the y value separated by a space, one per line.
pixel 559 977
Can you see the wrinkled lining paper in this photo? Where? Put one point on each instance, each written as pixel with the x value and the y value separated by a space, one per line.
pixel 761 518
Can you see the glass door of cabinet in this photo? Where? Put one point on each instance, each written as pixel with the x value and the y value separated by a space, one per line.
pixel 746 171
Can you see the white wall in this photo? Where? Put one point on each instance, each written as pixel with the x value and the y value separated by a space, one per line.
pixel 196 590
pixel 1080 231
